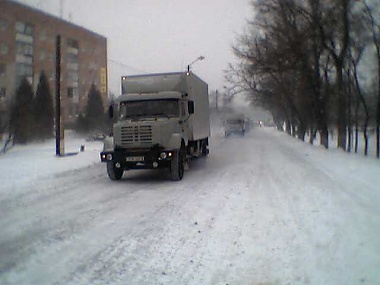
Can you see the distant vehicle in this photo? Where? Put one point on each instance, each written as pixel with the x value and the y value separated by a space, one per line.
pixel 234 124
pixel 161 120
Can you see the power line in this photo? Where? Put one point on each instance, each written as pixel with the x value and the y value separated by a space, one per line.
pixel 125 65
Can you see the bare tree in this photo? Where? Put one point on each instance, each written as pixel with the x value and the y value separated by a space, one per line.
pixel 296 61
pixel 361 100
pixel 373 25
pixel 278 69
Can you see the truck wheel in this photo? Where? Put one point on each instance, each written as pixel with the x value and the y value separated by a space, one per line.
pixel 177 166
pixel 205 150
pixel 113 172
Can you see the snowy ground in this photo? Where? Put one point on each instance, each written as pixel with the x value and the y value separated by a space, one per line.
pixel 261 209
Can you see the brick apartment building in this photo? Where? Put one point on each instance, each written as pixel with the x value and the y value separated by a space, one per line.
pixel 28 47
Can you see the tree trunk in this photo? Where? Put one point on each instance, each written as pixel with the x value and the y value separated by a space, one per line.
pixel 288 127
pixel 366 118
pixel 349 119
pixel 365 135
pixel 356 126
pixel 378 106
pixel 301 132
pixel 7 142
pixel 342 114
pixel 378 130
pixel 311 136
pixel 324 140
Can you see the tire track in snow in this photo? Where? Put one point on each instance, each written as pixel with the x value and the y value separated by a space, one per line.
pixel 174 226
pixel 67 213
pixel 325 214
pixel 159 235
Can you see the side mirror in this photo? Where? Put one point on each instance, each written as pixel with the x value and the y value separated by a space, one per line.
pixel 110 112
pixel 190 107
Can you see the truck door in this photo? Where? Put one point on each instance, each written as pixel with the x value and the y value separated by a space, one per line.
pixel 184 118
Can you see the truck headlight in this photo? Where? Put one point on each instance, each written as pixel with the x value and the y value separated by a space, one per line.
pixel 163 155
pixel 109 156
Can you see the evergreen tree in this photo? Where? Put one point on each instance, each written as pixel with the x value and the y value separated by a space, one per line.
pixel 44 111
pixel 95 111
pixel 22 119
pixel 81 124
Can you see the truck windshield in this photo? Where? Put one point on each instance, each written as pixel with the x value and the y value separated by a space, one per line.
pixel 149 108
pixel 234 121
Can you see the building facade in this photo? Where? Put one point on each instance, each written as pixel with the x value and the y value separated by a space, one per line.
pixel 28 40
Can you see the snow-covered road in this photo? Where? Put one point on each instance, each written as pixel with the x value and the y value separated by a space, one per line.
pixel 261 209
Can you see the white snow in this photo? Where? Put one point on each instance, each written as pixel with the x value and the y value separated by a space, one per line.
pixel 27 163
pixel 261 209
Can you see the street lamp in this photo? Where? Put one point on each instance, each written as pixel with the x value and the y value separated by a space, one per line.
pixel 198 59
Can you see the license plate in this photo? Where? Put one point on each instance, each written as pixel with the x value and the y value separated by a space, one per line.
pixel 135 158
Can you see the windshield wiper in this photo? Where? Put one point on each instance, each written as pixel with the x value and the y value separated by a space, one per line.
pixel 164 115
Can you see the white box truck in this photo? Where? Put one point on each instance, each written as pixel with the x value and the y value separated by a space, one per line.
pixel 234 124
pixel 160 121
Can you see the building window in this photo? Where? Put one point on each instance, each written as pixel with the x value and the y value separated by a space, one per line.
pixel 72 58
pixel 28 49
pixel 20 27
pixel 73 66
pixel 24 28
pixel 73 43
pixel 42 54
pixel 24 69
pixel 3 49
pixel 3 92
pixel 70 92
pixel 3 25
pixel 73 76
pixel 23 48
pixel 2 70
pixel 29 30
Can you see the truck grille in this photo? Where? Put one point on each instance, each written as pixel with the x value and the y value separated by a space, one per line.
pixel 136 136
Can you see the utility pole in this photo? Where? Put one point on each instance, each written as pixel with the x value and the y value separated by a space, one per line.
pixel 59 129
pixel 216 99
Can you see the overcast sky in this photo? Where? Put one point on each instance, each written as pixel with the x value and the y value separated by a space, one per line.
pixel 148 36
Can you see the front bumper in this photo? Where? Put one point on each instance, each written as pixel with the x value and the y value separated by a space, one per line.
pixel 139 159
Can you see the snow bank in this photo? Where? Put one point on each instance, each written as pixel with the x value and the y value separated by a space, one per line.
pixel 24 164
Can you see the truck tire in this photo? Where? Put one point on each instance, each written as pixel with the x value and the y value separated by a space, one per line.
pixel 177 166
pixel 205 150
pixel 113 172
